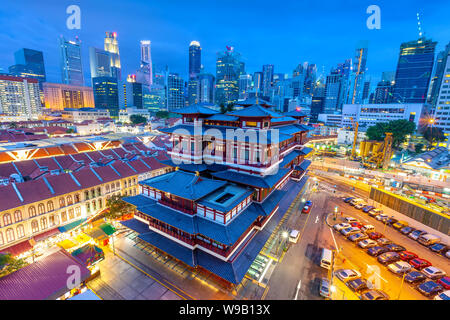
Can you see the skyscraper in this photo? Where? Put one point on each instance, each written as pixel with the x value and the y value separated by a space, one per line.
pixel 106 94
pixel 19 96
pixel 357 76
pixel 100 63
pixel 71 65
pixel 442 108
pixel 414 67
pixel 175 92
pixel 30 64
pixel 245 84
pixel 59 96
pixel 205 88
pixel 145 73
pixel 195 59
pixel 112 46
pixel 267 79
pixel 436 80
pixel 333 92
pixel 228 69
pixel 130 93
pixel 257 81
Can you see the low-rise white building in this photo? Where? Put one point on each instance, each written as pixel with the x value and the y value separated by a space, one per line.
pixel 125 114
pixel 345 136
pixel 83 114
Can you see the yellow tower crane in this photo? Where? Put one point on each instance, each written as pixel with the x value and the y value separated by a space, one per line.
pixel 355 137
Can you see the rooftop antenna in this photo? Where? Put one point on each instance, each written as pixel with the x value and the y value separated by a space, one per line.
pixel 419 26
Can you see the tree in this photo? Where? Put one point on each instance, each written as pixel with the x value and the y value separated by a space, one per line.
pixel 9 264
pixel 418 147
pixel 400 130
pixel 432 135
pixel 162 114
pixel 70 130
pixel 223 109
pixel 230 107
pixel 117 207
pixel 138 119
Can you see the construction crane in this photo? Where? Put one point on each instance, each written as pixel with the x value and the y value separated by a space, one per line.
pixel 355 137
pixel 381 155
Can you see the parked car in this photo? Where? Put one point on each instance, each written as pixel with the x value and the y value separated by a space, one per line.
pixel 443 295
pixel 399 267
pixel 447 254
pixel 388 257
pixel 433 273
pixel 400 224
pixel 347 200
pixel 381 217
pixel 384 241
pixel 406 255
pixel 374 295
pixel 395 247
pixel 438 247
pixel 407 230
pixel 366 209
pixel 360 205
pixel 368 228
pixel 428 239
pixel 357 285
pixel 391 221
pixel 349 231
pixel 358 225
pixel 375 235
pixel 306 209
pixel 350 219
pixel 355 201
pixel 376 251
pixel 366 244
pixel 430 288
pixel 308 203
pixel 416 234
pixel 341 226
pixel 324 289
pixel 445 282
pixel 419 263
pixel 358 237
pixel 375 212
pixel 414 277
pixel 347 274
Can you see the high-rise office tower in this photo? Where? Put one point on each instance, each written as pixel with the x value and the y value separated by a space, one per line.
pixel 245 84
pixel 366 89
pixel 310 79
pixel 106 94
pixel 333 92
pixel 205 88
pixel 195 63
pixel 100 63
pixel 442 108
pixel 257 81
pixel 414 67
pixel 145 73
pixel 59 96
pixel 357 76
pixel 228 69
pixel 71 64
pixel 383 92
pixel 29 64
pixel 112 46
pixel 175 92
pixel 130 93
pixel 20 97
pixel 436 80
pixel 267 79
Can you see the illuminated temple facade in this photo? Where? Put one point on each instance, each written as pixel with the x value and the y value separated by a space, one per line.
pixel 220 205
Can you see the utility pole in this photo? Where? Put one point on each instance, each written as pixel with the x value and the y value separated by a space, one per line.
pixel 401 286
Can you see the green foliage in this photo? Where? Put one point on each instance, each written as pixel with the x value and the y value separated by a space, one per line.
pixel 117 207
pixel 138 119
pixel 418 147
pixel 432 135
pixel 399 128
pixel 230 107
pixel 223 109
pixel 163 114
pixel 9 264
pixel 70 130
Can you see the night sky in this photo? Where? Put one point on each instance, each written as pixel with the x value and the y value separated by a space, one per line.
pixel 264 32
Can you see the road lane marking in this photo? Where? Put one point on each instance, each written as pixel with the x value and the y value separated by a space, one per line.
pixel 299 285
pixel 317 219
pixel 368 266
pixel 334 239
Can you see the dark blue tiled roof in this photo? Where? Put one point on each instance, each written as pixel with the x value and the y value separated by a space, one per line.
pixel 295 113
pixel 136 225
pixel 222 117
pixel 282 119
pixel 229 205
pixel 306 150
pixel 303 166
pixel 184 184
pixel 271 202
pixel 289 157
pixel 255 110
pixel 170 247
pixel 195 109
pixel 195 167
pixel 291 129
pixel 267 181
pixel 252 101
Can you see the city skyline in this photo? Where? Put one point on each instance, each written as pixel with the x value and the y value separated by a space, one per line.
pixel 170 38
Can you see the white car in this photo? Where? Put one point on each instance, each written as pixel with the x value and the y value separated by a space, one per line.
pixel 350 219
pixel 360 205
pixel 399 267
pixel 443 296
pixel 433 272
pixel 368 228
pixel 375 212
pixel 341 226
pixel 355 201
pixel 382 216
pixel 368 243
pixel 347 274
pixel 350 231
pixel 324 288
pixel 447 254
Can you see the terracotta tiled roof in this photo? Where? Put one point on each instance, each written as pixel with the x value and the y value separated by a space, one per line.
pixel 87 178
pixel 5 157
pixel 82 146
pixel 10 199
pixel 67 149
pixel 123 169
pixel 48 162
pixel 7 169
